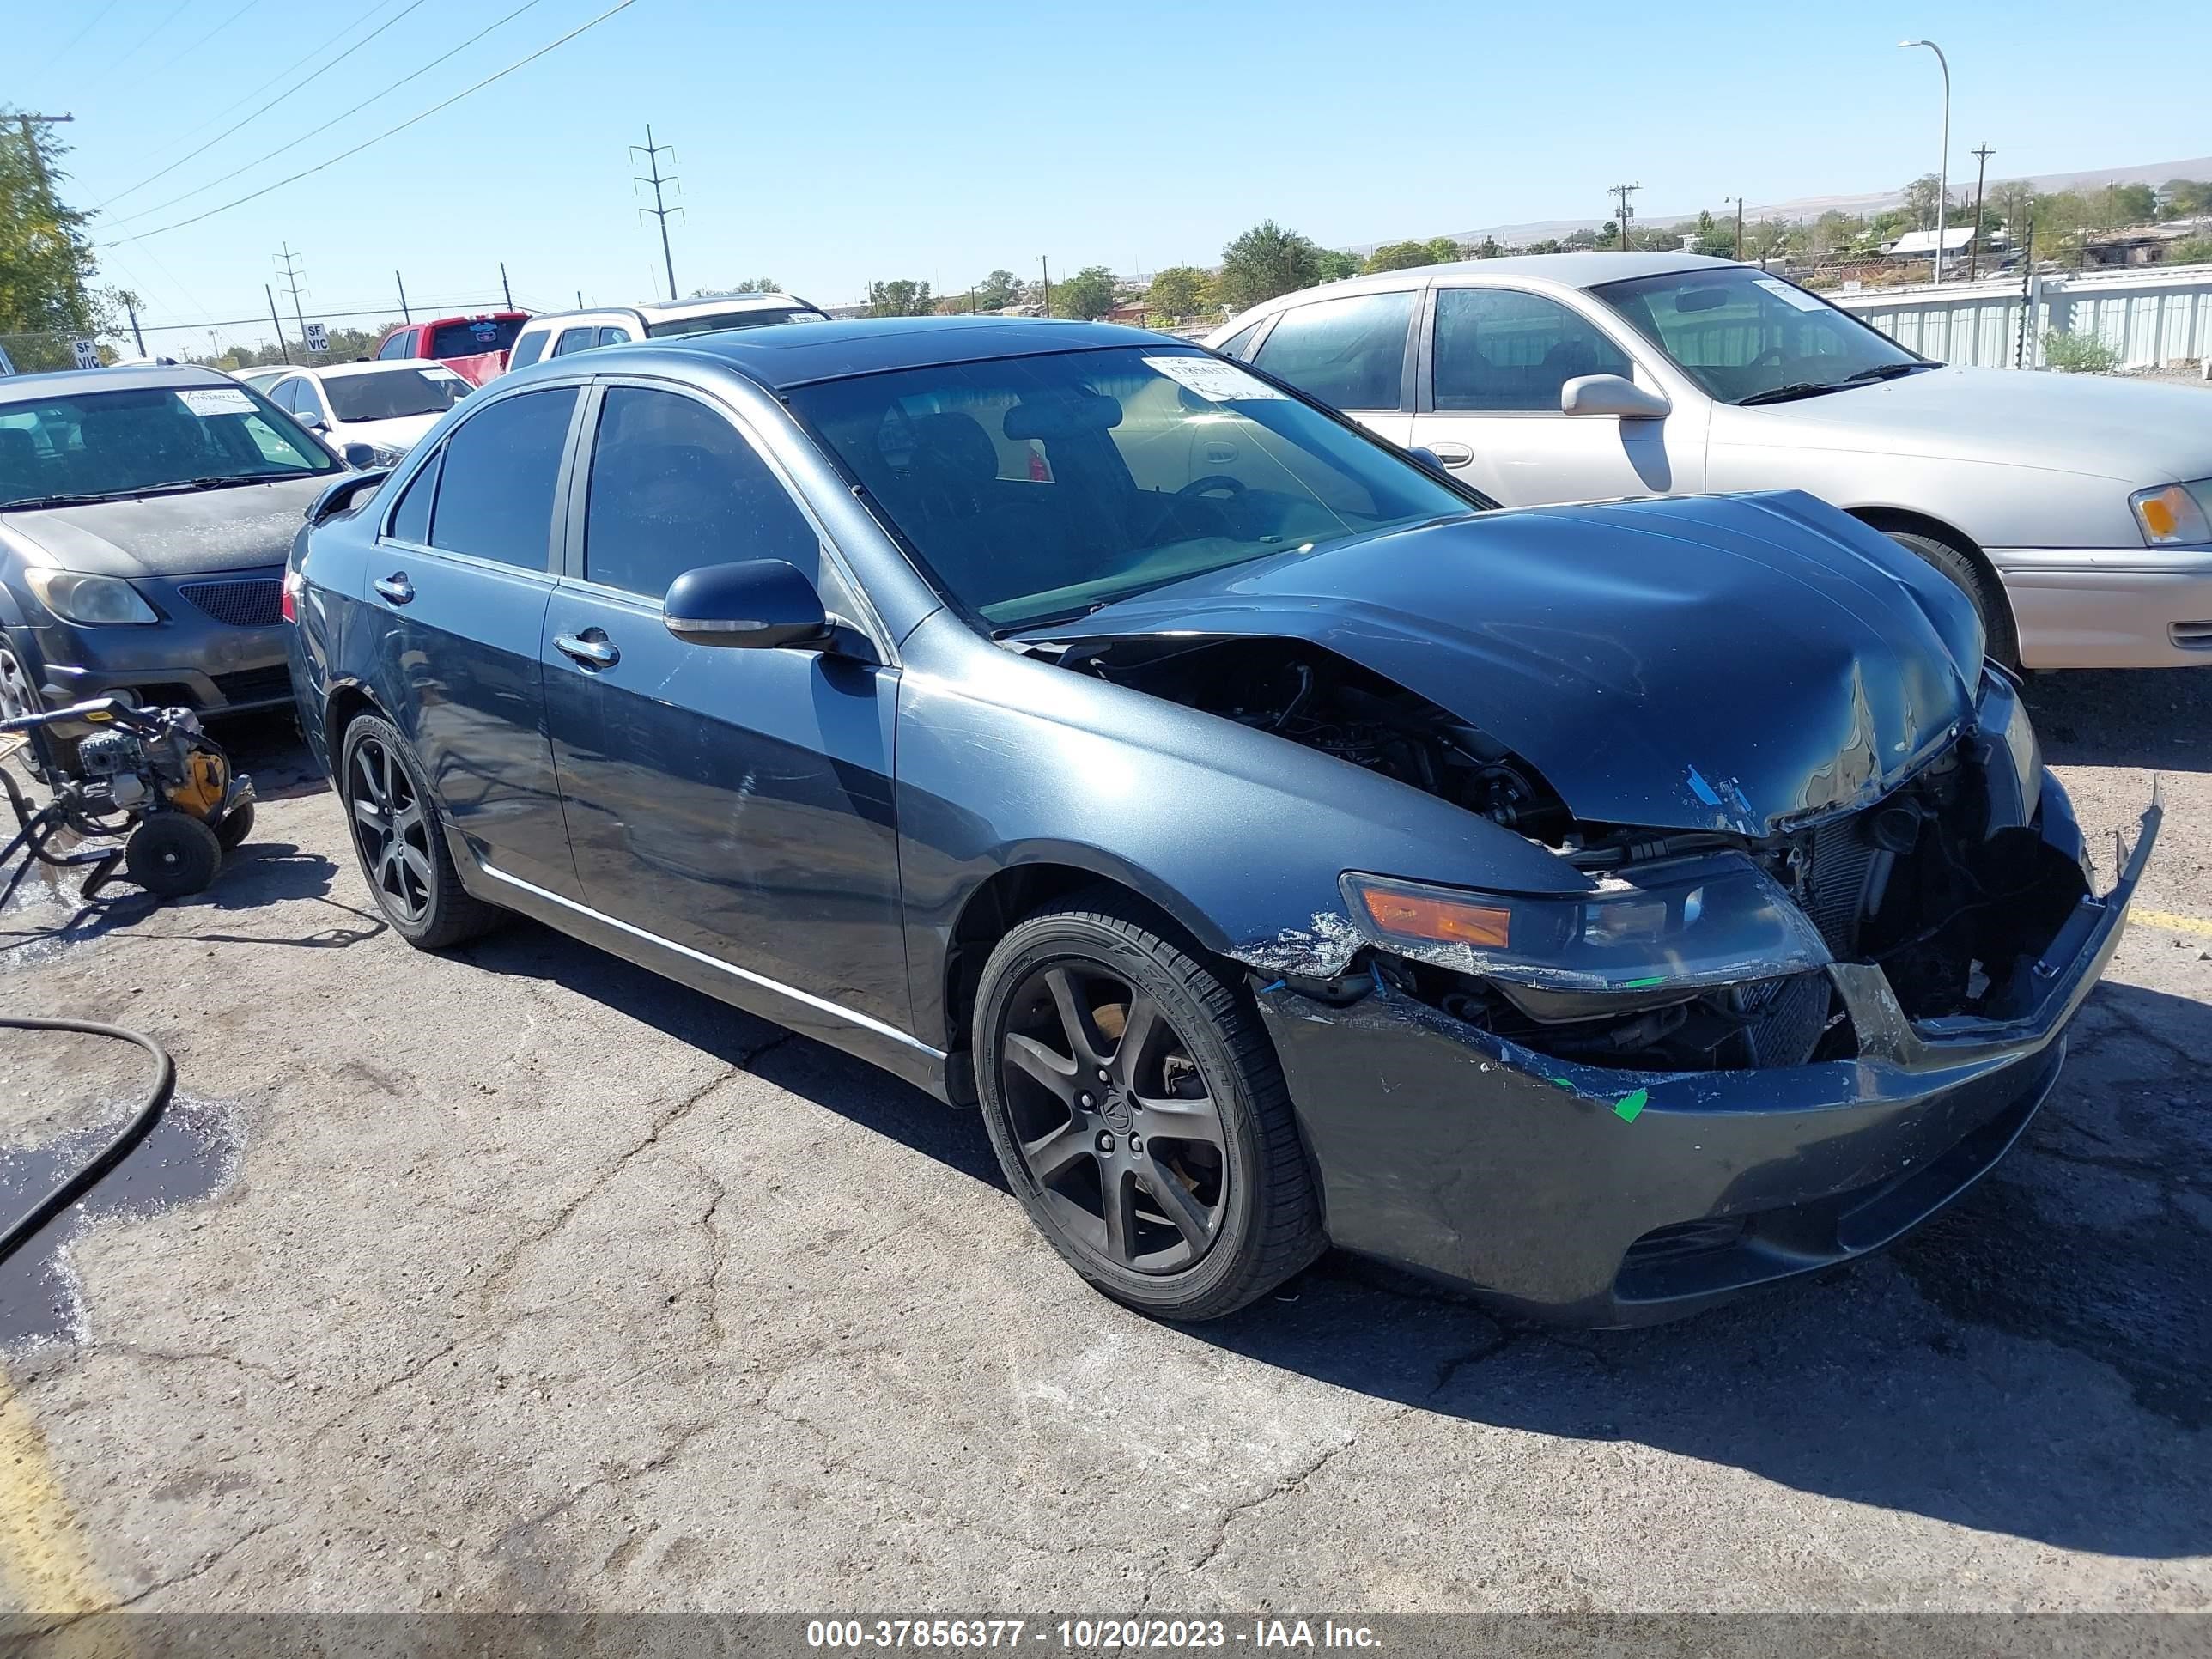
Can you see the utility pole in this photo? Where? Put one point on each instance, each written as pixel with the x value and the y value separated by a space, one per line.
pixel 290 261
pixel 1739 229
pixel 1621 193
pixel 972 306
pixel 1047 270
pixel 283 350
pixel 1981 175
pixel 659 210
pixel 137 339
pixel 503 288
pixel 405 315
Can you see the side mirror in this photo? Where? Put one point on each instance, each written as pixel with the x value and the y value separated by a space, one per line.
pixel 1427 457
pixel 359 456
pixel 1612 394
pixel 312 422
pixel 757 602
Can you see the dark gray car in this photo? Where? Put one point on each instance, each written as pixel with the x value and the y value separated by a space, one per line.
pixel 144 518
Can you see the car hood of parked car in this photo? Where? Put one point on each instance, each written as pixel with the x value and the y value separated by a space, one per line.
pixel 181 534
pixel 2132 431
pixel 1740 663
pixel 399 433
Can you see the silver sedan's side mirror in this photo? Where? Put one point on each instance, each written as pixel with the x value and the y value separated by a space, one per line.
pixel 1612 394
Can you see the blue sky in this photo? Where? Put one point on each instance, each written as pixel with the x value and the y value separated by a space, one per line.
pixel 827 145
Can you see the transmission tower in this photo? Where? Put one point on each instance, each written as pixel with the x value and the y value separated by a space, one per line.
pixel 659 210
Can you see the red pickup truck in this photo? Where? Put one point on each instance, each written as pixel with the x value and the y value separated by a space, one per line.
pixel 474 348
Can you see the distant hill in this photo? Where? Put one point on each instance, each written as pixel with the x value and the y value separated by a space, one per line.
pixel 1812 207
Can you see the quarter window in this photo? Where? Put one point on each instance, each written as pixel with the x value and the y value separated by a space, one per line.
pixel 410 519
pixel 675 486
pixel 1349 352
pixel 1500 349
pixel 495 482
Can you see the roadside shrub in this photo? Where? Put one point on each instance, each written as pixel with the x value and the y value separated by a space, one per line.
pixel 2079 353
pixel 2191 251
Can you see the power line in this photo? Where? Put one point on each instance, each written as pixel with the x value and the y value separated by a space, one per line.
pixel 145 39
pixel 202 190
pixel 305 172
pixel 240 123
pixel 70 44
pixel 459 307
pixel 175 56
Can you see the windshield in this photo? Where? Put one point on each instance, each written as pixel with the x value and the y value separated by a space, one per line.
pixel 1038 488
pixel 713 320
pixel 129 442
pixel 475 336
pixel 392 394
pixel 1740 333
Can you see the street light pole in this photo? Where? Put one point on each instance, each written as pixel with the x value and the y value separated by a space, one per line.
pixel 1943 163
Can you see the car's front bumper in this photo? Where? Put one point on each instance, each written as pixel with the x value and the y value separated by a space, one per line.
pixel 219 647
pixel 1607 1198
pixel 2108 607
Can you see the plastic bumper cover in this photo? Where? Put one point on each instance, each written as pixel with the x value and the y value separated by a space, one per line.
pixel 1607 1198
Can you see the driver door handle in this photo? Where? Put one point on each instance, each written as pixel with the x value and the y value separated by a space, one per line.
pixel 1452 455
pixel 395 587
pixel 592 651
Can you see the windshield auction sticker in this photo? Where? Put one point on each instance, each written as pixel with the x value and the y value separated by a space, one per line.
pixel 207 400
pixel 1789 296
pixel 1212 379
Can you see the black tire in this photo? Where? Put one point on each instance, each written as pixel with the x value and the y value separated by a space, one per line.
pixel 173 855
pixel 1966 574
pixel 19 695
pixel 401 842
pixel 1244 1214
pixel 237 824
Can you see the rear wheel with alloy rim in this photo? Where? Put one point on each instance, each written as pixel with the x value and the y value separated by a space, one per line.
pixel 395 832
pixel 1138 1111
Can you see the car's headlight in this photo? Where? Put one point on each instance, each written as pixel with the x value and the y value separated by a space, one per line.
pixel 95 600
pixel 387 456
pixel 1712 920
pixel 2175 515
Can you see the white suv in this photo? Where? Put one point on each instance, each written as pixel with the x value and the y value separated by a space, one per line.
pixel 558 333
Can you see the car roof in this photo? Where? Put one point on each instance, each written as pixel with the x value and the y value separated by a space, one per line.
pixel 373 366
pixel 461 317
pixel 799 354
pixel 707 305
pixel 67 382
pixel 1581 269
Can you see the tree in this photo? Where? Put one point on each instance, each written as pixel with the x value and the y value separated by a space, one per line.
pixel 901 297
pixel 1488 248
pixel 1400 256
pixel 1177 292
pixel 750 285
pixel 46 267
pixel 1265 261
pixel 1608 233
pixel 2184 198
pixel 1088 294
pixel 2189 251
pixel 1548 244
pixel 1920 199
pixel 1336 264
pixel 997 291
pixel 1443 250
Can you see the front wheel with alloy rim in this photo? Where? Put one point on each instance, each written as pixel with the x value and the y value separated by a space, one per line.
pixel 402 848
pixel 1139 1113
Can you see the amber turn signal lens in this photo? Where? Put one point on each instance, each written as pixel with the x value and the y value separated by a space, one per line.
pixel 1446 921
pixel 2158 511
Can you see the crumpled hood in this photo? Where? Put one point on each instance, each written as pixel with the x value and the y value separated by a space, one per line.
pixel 2132 431
pixel 1730 663
pixel 180 535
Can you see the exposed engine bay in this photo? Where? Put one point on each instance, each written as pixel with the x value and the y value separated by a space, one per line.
pixel 1945 883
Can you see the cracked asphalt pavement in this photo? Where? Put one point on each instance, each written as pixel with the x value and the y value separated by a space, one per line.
pixel 521 1279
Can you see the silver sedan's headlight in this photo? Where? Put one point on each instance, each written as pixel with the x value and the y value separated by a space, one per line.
pixel 2174 515
pixel 96 601
pixel 1712 920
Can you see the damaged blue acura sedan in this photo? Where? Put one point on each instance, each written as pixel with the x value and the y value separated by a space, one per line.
pixel 1608 908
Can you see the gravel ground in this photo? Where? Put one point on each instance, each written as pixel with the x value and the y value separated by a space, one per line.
pixel 521 1279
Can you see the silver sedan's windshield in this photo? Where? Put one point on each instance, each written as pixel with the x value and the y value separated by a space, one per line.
pixel 1747 337
pixel 1041 487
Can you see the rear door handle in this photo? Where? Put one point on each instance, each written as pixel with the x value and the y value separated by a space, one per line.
pixel 395 587
pixel 1452 455
pixel 591 648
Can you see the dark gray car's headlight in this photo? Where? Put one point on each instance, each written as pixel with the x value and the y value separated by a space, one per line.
pixel 1714 920
pixel 96 601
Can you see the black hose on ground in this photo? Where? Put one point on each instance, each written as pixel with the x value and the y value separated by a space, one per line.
pixel 155 1100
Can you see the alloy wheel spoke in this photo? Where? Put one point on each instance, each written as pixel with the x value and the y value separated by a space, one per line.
pixel 1141 1025
pixel 371 816
pixel 1084 1042
pixel 417 863
pixel 1175 1119
pixel 1177 1203
pixel 1038 1062
pixel 1121 1206
pixel 1055 1152
pixel 365 767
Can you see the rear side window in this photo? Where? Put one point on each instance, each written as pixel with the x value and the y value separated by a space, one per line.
pixel 1349 352
pixel 479 335
pixel 410 519
pixel 614 337
pixel 1239 344
pixel 1500 349
pixel 572 339
pixel 675 486
pixel 529 349
pixel 495 480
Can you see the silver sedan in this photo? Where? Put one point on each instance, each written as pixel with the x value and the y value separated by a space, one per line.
pixel 2074 510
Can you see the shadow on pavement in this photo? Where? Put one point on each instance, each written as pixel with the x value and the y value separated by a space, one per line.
pixel 2150 717
pixel 2083 1249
